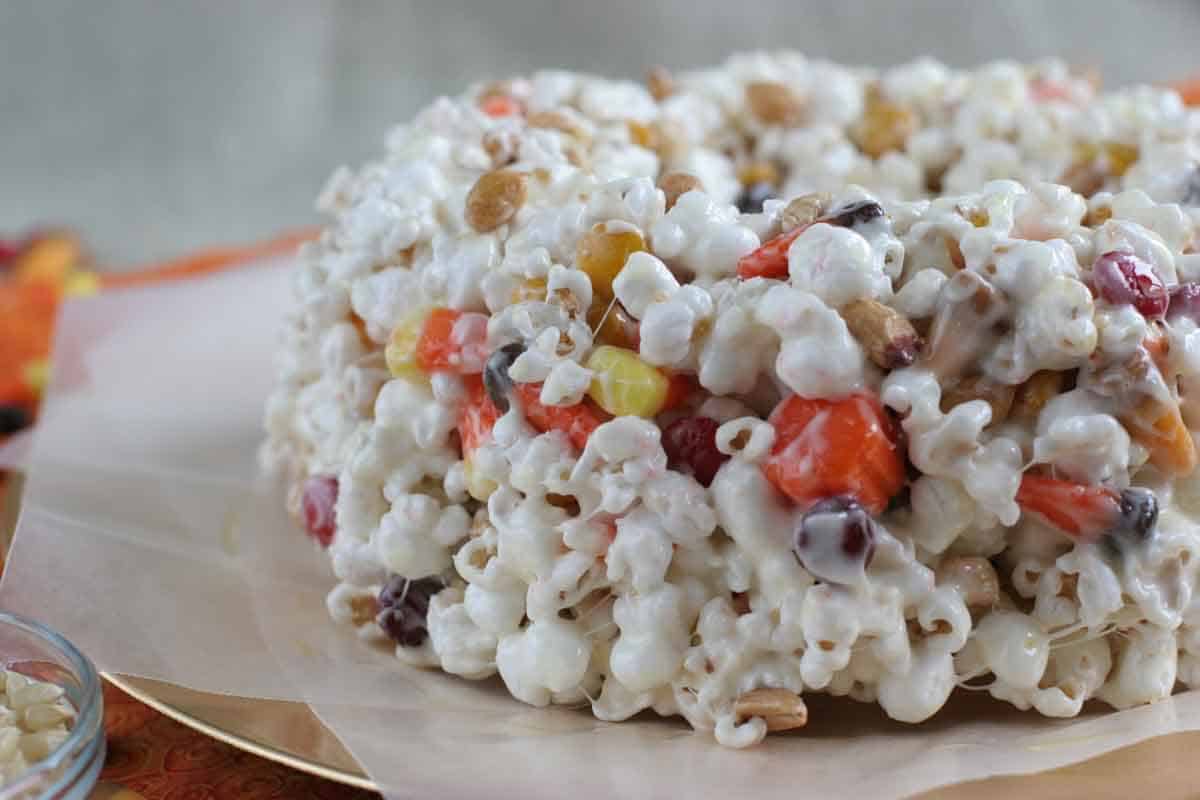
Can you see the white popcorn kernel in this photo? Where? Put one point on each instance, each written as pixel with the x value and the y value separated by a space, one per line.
pixel 10 741
pixel 649 651
pixel 1014 647
pixel 837 265
pixel 643 280
pixel 498 612
pixel 1145 669
pixel 547 656
pixel 573 282
pixel 747 438
pixel 736 352
pixel 730 733
pixel 1081 441
pixel 944 616
pixel 702 235
pixel 1120 330
pixel 35 693
pixel 917 298
pixel 917 694
pixel 668 327
pixel 1057 325
pixel 36 746
pixel 818 357
pixel 1078 670
pixel 461 646
pixel 640 552
pixel 43 716
pixel 404 541
pixel 566 384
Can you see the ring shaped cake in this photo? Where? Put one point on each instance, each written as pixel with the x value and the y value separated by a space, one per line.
pixel 753 382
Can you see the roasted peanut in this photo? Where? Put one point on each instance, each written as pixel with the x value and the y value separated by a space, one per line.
pixel 677 184
pixel 774 103
pixel 977 387
pixel 495 199
pixel 804 210
pixel 1032 395
pixel 781 709
pixel 884 126
pixel 660 83
pixel 556 120
pixel 889 339
pixel 363 609
pixel 974 577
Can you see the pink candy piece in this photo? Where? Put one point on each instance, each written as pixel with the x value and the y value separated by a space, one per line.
pixel 318 501
pixel 1124 279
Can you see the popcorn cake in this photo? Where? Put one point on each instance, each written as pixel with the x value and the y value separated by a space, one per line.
pixel 754 382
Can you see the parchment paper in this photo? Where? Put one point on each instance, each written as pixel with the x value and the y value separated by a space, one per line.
pixel 146 538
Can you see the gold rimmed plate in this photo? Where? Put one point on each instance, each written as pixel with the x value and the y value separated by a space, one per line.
pixel 286 732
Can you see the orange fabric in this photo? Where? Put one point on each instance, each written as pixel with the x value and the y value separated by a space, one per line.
pixel 206 261
pixel 51 265
pixel 1189 90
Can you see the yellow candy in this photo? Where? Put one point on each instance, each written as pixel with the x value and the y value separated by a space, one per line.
pixel 602 255
pixel 624 385
pixel 82 284
pixel 36 374
pixel 401 350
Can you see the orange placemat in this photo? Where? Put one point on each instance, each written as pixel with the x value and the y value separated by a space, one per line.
pixel 160 759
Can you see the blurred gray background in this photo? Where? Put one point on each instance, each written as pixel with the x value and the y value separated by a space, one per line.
pixel 160 126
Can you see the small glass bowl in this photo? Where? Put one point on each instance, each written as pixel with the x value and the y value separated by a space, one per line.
pixel 72 770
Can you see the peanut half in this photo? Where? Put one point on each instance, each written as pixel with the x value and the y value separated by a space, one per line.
pixel 974 577
pixel 1033 395
pixel 495 199
pixel 889 338
pixel 804 210
pixel 660 82
pixel 997 395
pixel 677 184
pixel 781 709
pixel 774 103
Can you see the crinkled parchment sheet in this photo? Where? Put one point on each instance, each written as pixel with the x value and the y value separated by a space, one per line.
pixel 147 539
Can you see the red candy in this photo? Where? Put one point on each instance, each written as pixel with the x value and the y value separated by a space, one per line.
pixel 500 105
pixel 679 390
pixel 452 341
pixel 770 260
pixel 317 502
pixel 577 421
pixel 9 251
pixel 691 447
pixel 476 417
pixel 827 448
pixel 1124 279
